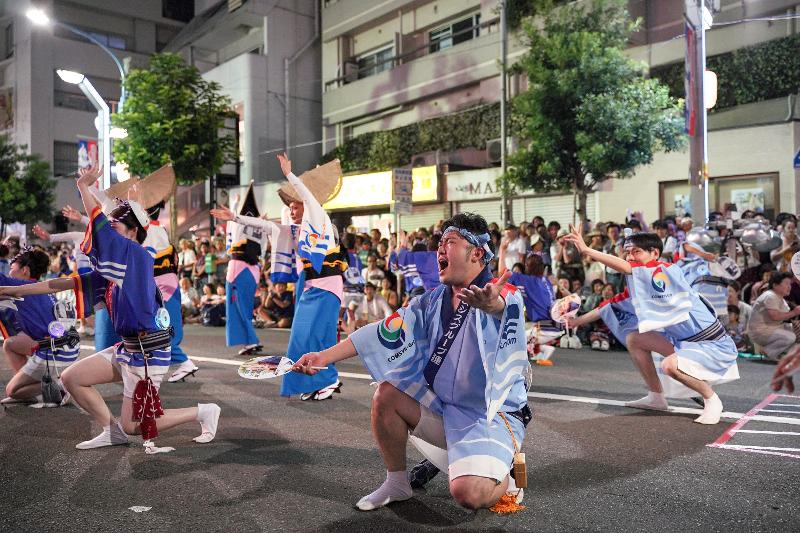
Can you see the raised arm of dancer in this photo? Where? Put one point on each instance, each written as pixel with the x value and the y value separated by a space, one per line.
pixel 611 261
pixel 49 286
pixel 223 213
pixel 334 354
pixel 708 256
pixel 87 177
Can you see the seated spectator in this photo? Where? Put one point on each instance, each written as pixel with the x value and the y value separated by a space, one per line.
pixel 212 309
pixel 745 310
pixel 373 274
pixel 595 297
pixel 752 293
pixel 372 308
pixel 190 300
pixel 278 307
pixel 768 323
pixel 562 287
pixel 389 293
pixel 737 330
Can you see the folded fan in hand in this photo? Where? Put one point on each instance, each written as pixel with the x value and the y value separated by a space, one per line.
pixel 565 308
pixel 268 366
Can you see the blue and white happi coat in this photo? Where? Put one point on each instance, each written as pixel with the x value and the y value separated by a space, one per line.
pixel 481 376
pixel 712 288
pixel 664 301
pixel 31 316
pixel 121 281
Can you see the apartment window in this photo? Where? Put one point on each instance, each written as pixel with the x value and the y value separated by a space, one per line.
pixel 9 40
pixel 454 33
pixel 65 158
pixel 111 40
pixel 375 62
pixel 181 10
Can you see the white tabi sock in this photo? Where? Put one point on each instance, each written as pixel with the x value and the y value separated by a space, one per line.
pixel 653 400
pixel 111 436
pixel 711 411
pixel 396 488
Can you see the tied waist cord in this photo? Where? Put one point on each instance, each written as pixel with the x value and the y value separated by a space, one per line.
pixel 148 342
pixel 713 332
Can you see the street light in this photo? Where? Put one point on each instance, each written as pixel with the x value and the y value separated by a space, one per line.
pixel 102 122
pixel 40 18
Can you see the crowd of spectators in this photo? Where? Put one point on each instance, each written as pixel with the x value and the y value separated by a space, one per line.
pixel 762 303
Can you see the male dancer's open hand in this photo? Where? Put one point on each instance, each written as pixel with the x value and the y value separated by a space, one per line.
pixel 488 298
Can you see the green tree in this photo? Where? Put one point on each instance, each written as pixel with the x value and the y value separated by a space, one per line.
pixel 173 115
pixel 26 185
pixel 590 114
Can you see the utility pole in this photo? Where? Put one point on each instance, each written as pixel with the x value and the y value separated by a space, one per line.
pixel 506 201
pixel 698 19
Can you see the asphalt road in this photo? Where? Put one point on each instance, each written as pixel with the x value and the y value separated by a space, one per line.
pixel 287 465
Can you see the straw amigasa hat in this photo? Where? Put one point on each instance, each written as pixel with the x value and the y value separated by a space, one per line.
pixel 324 183
pixel 149 191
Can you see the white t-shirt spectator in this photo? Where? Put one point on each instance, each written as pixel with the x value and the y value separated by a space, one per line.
pixel 761 326
pixel 516 251
pixel 188 299
pixel 373 276
pixel 371 311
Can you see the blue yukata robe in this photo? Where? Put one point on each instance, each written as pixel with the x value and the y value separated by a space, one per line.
pixel 122 281
pixel 481 376
pixel 537 293
pixel 664 301
pixel 419 269
pixel 32 316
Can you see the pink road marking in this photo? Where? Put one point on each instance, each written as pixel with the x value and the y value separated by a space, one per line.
pixel 726 436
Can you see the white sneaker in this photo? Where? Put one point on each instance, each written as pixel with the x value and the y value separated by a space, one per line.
pixel 111 436
pixel 208 416
pixel 604 346
pixel 187 368
pixel 595 344
pixel 575 343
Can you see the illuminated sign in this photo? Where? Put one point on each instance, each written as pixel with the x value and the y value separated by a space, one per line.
pixel 365 190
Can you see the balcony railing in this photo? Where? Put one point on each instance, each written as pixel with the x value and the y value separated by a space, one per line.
pixel 405 57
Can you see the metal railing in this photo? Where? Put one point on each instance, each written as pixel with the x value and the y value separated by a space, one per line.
pixel 405 56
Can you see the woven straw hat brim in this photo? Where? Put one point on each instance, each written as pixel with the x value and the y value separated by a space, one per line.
pixel 157 186
pixel 324 183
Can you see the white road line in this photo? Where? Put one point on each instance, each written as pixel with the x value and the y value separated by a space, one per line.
pixel 779 411
pixel 784 405
pixel 543 395
pixel 770 448
pixel 767 432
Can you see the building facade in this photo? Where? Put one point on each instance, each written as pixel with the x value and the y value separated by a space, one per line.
pixel 49 115
pixel 391 64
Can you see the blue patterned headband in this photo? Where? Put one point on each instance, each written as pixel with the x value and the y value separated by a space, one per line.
pixel 481 241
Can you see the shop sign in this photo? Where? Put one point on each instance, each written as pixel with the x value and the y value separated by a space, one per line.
pixel 375 189
pixel 473 185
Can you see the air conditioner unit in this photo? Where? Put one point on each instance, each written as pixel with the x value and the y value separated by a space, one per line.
pixel 427 159
pixel 493 149
pixel 350 71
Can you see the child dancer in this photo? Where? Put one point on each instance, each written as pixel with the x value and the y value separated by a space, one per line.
pixel 696 349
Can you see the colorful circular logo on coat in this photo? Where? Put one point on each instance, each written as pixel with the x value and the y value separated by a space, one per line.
pixel 391 332
pixel 660 280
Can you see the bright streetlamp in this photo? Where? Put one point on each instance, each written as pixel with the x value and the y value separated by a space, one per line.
pixel 102 122
pixel 39 18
